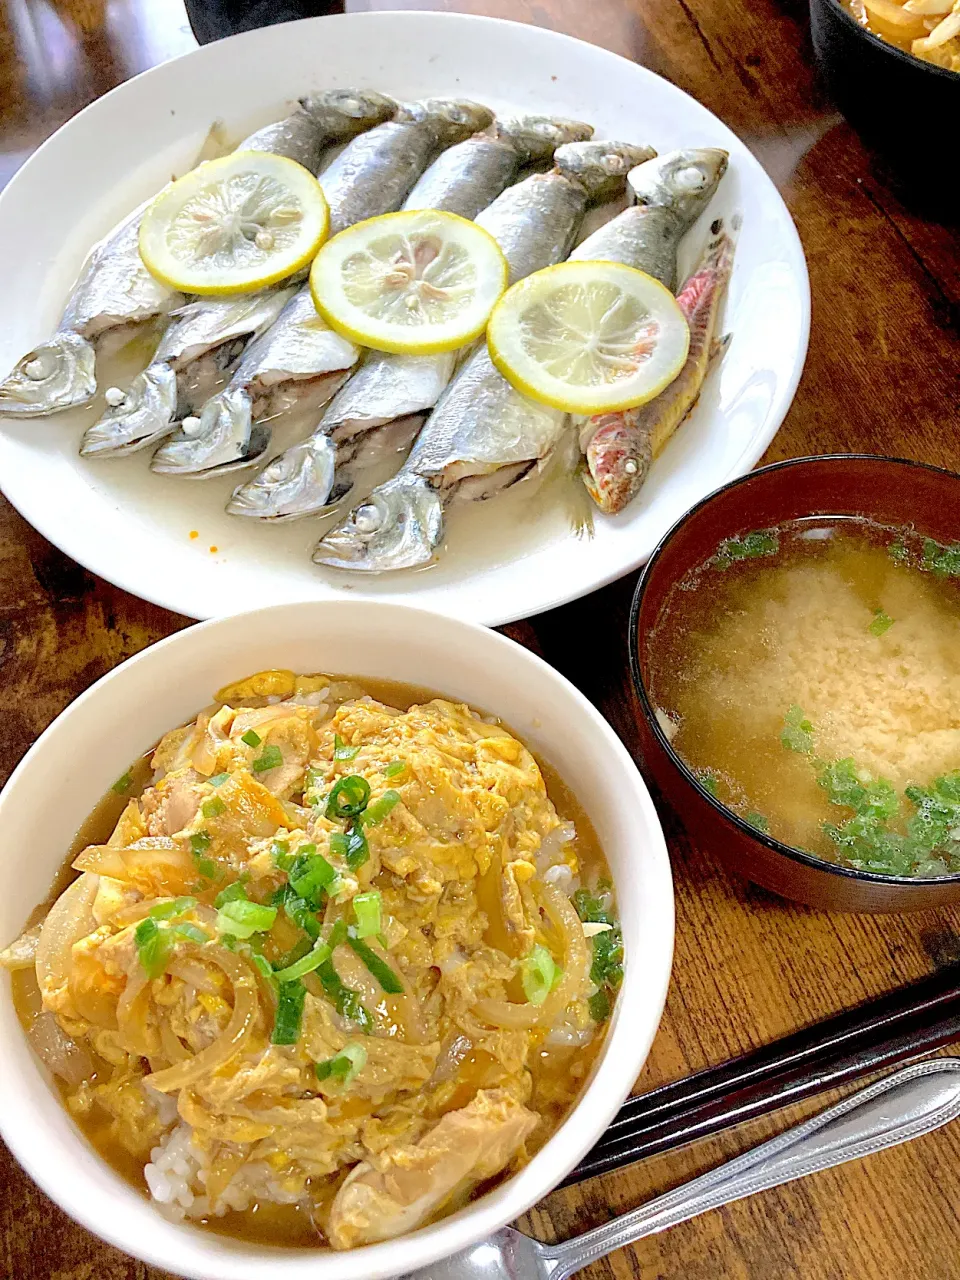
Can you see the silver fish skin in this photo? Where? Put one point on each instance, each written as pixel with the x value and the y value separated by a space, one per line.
pixel 323 119
pixel 202 342
pixel 483 436
pixel 375 173
pixel 534 223
pixel 115 289
pixel 466 178
pixel 671 192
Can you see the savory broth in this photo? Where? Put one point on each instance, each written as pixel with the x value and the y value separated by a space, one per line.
pixel 530 1071
pixel 810 676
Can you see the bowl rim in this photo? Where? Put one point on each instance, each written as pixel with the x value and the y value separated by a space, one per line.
pixel 728 816
pixel 909 59
pixel 644 990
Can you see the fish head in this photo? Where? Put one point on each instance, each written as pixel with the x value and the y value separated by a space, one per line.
pixel 222 439
pixel 618 457
pixel 343 113
pixel 600 166
pixel 144 414
pixel 537 137
pixel 399 526
pixel 295 484
pixel 59 374
pixel 453 119
pixel 683 181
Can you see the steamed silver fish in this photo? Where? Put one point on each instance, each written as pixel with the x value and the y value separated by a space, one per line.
pixel 670 193
pixel 389 388
pixel 115 289
pixel 368 178
pixel 483 436
pixel 204 340
pixel 376 172
pixel 171 385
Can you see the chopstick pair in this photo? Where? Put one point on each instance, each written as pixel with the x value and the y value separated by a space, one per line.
pixel 895 1028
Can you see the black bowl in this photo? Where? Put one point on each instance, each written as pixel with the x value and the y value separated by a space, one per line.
pixel 901 105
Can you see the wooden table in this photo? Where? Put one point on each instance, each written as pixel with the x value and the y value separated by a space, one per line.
pixel 882 376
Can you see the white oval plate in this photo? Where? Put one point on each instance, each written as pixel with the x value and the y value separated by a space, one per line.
pixel 505 559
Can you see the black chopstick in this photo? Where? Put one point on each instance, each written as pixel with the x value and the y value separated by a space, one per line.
pixel 897 1027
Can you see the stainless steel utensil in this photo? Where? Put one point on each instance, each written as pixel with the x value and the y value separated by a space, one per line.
pixel 901 1106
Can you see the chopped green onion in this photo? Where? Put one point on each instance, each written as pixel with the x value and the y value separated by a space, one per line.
pixel 898 551
pixel 123 785
pixel 366 907
pixel 175 907
pixel 286 1026
pixel 537 972
pixel 345 1067
pixel 379 968
pixel 264 968
pixel 191 932
pixel 394 767
pixel 242 918
pixel 709 782
pixel 351 845
pixel 153 947
pixel 599 1006
pixel 312 875
pixel 269 758
pixel 348 798
pixel 232 893
pixel 213 808
pixel 797 732
pixel 298 911
pixel 607 966
pixel 756 819
pixel 378 810
pixel 306 964
pixel 590 909
pixel 345 1000
pixel 749 546
pixel 280 852
pixel 218 779
pixel 200 842
pixel 251 738
pixel 342 752
pixel 943 560
pixel 881 622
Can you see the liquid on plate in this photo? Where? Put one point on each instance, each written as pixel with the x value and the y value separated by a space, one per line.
pixel 809 675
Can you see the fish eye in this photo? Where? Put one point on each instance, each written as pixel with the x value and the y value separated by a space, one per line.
pixel 690 178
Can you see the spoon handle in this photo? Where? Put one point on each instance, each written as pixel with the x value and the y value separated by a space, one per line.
pixel 901 1106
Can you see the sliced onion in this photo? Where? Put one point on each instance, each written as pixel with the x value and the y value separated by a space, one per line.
pixel 231 1040
pixel 22 953
pixel 55 1049
pixel 92 991
pixel 173 1047
pixel 68 920
pixel 136 1033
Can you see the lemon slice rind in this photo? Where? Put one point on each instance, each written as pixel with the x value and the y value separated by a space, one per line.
pixel 235 224
pixel 376 283
pixel 542 318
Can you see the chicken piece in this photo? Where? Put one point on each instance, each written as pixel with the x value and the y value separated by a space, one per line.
pixel 173 803
pixel 407 1184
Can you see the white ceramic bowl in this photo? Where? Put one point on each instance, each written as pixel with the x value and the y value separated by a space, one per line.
pixel 94 740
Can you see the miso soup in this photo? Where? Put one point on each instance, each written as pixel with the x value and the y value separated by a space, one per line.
pixel 809 675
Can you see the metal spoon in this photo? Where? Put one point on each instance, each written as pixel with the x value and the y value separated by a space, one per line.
pixel 899 1107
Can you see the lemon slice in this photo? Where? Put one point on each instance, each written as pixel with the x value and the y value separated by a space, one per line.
pixel 234 224
pixel 417 282
pixel 589 337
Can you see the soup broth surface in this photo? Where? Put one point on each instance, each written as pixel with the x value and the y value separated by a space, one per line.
pixel 809 675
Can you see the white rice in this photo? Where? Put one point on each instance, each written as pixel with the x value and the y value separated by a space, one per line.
pixel 176 1176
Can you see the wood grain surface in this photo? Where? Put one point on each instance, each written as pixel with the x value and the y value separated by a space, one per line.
pixel 882 376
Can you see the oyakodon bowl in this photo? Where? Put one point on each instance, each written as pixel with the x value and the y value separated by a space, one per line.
pixel 886 490
pixel 123 714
